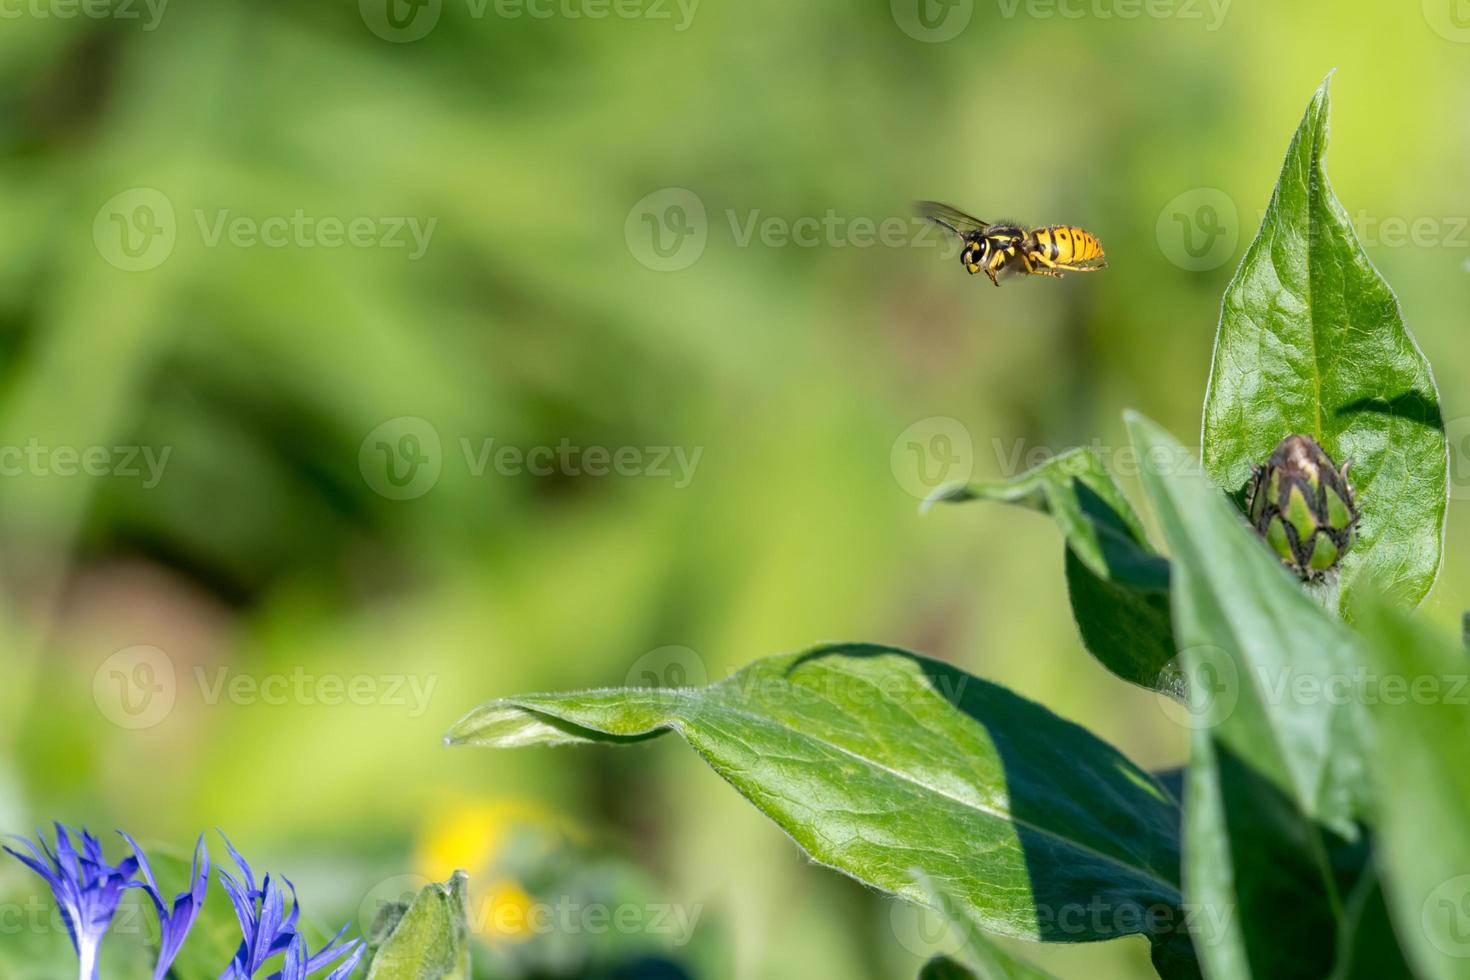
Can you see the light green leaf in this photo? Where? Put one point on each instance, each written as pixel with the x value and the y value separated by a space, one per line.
pixel 1312 341
pixel 880 763
pixel 427 941
pixel 1118 583
pixel 1417 694
pixel 1277 766
pixel 981 958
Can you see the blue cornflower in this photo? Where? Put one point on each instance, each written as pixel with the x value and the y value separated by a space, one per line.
pixel 173 925
pixel 86 887
pixel 269 929
pixel 298 964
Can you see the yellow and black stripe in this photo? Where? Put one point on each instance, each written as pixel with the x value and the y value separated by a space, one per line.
pixel 1065 245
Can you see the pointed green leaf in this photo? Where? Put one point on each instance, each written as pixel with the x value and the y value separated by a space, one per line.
pixel 1276 774
pixel 1312 341
pixel 1117 582
pixel 428 940
pixel 879 763
pixel 1419 699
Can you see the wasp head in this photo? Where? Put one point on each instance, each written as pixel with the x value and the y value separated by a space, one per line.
pixel 975 254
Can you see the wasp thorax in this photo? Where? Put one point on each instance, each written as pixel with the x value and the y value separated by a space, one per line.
pixel 1301 503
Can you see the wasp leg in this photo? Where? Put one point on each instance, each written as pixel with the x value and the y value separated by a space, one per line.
pixel 1034 258
pixel 996 263
pixel 1082 268
pixel 1029 259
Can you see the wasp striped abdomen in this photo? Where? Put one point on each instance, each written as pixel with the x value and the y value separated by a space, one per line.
pixel 1067 244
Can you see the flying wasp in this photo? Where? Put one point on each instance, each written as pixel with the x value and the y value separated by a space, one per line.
pixel 994 248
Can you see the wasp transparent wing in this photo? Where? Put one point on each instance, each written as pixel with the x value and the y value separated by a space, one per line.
pixel 954 219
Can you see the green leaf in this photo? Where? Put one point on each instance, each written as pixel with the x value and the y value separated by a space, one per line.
pixel 428 940
pixel 1368 948
pixel 1417 694
pixel 880 763
pixel 1312 341
pixel 1118 583
pixel 1276 777
pixel 981 958
pixel 944 968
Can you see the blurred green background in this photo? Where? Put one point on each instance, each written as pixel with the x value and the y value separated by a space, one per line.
pixel 592 192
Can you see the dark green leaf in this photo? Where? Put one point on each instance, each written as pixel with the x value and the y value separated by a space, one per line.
pixel 1118 583
pixel 1312 341
pixel 429 940
pixel 1367 948
pixel 944 968
pixel 1276 774
pixel 1419 700
pixel 880 763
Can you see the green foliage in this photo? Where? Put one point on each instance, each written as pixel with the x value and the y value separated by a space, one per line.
pixel 1118 583
pixel 427 939
pixel 1312 341
pixel 1274 783
pixel 1307 802
pixel 879 763
pixel 1417 697
pixel 978 958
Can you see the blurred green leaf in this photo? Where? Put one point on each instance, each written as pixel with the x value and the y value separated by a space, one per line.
pixel 1118 583
pixel 880 763
pixel 1312 341
pixel 1277 766
pixel 427 941
pixel 1421 720
pixel 944 968
pixel 1368 948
